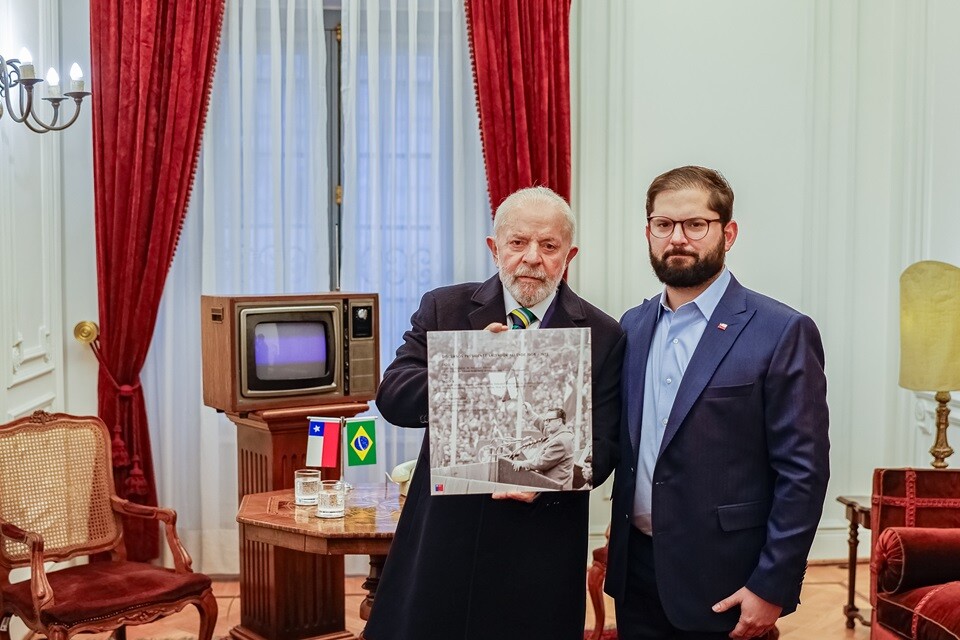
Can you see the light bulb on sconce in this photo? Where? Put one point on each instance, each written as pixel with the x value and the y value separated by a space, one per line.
pixel 76 77
pixel 53 83
pixel 26 64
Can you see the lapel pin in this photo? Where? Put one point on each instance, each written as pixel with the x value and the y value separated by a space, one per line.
pixel 722 326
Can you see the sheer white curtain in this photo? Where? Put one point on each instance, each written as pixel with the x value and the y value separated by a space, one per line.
pixel 258 223
pixel 415 208
pixel 414 214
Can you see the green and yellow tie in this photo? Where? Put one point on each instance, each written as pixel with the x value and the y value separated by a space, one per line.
pixel 522 318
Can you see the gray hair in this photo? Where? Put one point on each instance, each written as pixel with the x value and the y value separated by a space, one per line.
pixel 533 196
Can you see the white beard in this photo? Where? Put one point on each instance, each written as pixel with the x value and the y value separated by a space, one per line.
pixel 528 294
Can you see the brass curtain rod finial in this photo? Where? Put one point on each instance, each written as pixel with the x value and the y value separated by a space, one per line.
pixel 86 331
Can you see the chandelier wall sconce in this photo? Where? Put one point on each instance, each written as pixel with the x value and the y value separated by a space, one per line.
pixel 18 76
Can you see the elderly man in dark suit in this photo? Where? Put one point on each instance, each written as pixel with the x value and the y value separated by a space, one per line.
pixel 724 446
pixel 474 567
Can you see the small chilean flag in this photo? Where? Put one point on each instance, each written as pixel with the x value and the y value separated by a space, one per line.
pixel 323 442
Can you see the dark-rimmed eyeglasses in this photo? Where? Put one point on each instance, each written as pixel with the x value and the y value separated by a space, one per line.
pixel 693 228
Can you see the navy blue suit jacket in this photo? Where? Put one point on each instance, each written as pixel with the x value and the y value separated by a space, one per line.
pixel 742 471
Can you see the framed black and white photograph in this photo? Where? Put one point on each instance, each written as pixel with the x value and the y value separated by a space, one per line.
pixel 509 411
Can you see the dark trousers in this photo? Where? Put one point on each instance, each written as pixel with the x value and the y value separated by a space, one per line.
pixel 640 614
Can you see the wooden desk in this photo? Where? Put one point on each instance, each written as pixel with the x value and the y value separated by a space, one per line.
pixel 372 512
pixel 858 514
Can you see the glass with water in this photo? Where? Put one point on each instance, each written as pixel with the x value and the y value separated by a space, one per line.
pixel 331 502
pixel 306 486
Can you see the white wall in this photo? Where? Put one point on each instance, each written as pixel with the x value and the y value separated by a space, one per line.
pixel 47 252
pixel 47 270
pixel 79 247
pixel 836 124
pixel 30 230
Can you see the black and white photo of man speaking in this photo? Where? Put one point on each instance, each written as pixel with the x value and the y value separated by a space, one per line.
pixel 553 457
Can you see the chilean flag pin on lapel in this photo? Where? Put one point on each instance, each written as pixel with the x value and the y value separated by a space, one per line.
pixel 722 326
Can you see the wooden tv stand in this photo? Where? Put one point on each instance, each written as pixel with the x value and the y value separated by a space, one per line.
pixel 271 445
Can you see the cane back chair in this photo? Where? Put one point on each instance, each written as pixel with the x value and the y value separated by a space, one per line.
pixel 57 502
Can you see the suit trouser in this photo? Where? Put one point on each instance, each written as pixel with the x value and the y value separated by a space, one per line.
pixel 640 615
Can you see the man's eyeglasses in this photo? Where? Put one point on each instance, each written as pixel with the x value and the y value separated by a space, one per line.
pixel 693 228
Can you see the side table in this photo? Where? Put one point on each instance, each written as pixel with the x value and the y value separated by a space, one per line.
pixel 272 519
pixel 858 514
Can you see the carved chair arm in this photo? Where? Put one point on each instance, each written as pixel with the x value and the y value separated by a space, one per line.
pixel 40 590
pixel 181 559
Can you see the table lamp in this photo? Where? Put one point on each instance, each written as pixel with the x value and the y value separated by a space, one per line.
pixel 930 340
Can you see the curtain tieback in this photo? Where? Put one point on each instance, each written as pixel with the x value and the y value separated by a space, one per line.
pixel 125 390
pixel 118 447
pixel 136 483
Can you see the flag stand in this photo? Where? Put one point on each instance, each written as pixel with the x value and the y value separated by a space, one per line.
pixel 343 455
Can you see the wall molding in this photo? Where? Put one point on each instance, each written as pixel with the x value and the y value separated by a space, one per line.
pixel 9 355
pixel 925 411
pixel 832 218
pixel 914 134
pixel 51 166
pixel 832 541
pixel 910 183
pixel 31 321
pixel 43 401
pixel 41 354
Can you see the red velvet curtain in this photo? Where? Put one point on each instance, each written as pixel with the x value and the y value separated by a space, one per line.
pixel 151 67
pixel 521 68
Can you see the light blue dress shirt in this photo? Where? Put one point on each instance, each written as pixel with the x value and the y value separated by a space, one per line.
pixel 675 338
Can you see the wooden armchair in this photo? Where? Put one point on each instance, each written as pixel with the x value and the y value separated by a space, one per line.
pixel 596 573
pixel 57 502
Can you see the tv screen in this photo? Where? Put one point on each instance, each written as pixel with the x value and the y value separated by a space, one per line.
pixel 290 350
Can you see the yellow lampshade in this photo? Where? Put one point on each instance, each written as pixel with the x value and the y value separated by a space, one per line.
pixel 930 327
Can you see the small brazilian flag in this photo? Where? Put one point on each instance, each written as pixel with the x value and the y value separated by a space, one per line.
pixel 361 441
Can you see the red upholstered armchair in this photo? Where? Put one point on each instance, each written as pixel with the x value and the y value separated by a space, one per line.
pixel 915 559
pixel 57 502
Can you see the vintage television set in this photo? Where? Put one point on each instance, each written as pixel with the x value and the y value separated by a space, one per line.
pixel 264 352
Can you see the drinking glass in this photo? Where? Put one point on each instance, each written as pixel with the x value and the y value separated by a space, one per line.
pixel 306 486
pixel 332 499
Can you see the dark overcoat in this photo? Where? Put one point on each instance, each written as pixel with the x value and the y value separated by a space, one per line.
pixel 468 567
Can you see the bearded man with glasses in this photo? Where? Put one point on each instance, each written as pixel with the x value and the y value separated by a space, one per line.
pixel 724 445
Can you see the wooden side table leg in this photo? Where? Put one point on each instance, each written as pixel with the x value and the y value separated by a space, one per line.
pixel 370 584
pixel 850 609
